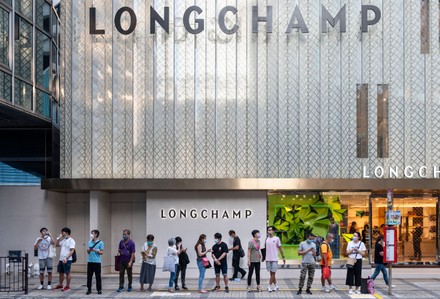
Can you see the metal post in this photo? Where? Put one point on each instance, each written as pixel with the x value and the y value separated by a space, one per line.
pixel 390 206
pixel 26 271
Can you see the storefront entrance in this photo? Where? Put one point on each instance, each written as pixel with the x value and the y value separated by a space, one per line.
pixel 295 214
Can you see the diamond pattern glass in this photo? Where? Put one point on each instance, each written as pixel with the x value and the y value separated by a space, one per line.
pixel 4 37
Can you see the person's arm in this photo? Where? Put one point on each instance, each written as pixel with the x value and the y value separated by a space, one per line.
pixel 362 249
pixel 57 243
pixel 249 256
pixel 235 246
pixel 99 250
pixel 51 238
pixel 37 242
pixel 282 254
pixel 301 251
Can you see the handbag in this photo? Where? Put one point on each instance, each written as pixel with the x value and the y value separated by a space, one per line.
pixel 350 262
pixel 325 272
pixel 183 259
pixel 206 263
pixel 168 264
pixel 117 262
pixel 241 252
pixel 263 251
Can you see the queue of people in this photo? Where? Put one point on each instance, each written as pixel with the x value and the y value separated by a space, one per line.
pixel 177 253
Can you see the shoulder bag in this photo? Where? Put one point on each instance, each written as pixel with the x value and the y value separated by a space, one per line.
pixel 351 261
pixel 169 263
pixel 206 263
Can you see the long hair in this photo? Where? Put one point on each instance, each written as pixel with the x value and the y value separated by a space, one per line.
pixel 201 241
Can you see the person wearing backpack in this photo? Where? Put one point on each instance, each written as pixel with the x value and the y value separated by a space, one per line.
pixel 67 252
pixel 237 254
pixel 307 249
pixel 95 248
pixel 326 261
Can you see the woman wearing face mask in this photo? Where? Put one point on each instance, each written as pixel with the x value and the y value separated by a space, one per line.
pixel 254 259
pixel 148 270
pixel 378 260
pixel 355 249
pixel 201 252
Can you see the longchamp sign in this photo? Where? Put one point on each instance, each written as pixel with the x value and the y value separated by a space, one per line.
pixel 297 21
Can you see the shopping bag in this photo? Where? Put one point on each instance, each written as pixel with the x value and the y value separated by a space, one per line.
pixel 117 262
pixel 325 272
pixel 169 264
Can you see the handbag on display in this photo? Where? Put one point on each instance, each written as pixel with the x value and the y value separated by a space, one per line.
pixel 206 263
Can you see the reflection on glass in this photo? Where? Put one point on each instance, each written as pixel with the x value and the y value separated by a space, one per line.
pixel 362 120
pixel 55 113
pixel 8 2
pixel 4 37
pixel 43 15
pixel 24 7
pixel 23 50
pixel 23 94
pixel 382 121
pixel 43 103
pixel 54 25
pixel 42 60
pixel 5 87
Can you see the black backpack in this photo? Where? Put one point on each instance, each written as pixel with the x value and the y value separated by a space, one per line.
pixel 74 256
pixel 318 241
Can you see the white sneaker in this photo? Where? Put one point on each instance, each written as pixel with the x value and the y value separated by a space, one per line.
pixel 324 289
pixel 351 291
pixel 328 290
pixel 357 291
pixel 332 287
pixel 276 288
pixel 49 287
pixel 40 287
pixel 269 289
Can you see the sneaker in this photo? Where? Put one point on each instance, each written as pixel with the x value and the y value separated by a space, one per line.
pixel 276 288
pixel 232 279
pixel 248 290
pixel 66 289
pixel 215 289
pixel 99 292
pixel 226 289
pixel 269 289
pixel 185 288
pixel 244 275
pixel 170 291
pixel 58 287
pixel 332 287
pixel 120 289
pixel 203 291
pixel 88 292
pixel 49 287
pixel 351 291
pixel 177 288
pixel 40 287
pixel 299 291
pixel 327 290
pixel 357 291
pixel 309 292
pixel 129 289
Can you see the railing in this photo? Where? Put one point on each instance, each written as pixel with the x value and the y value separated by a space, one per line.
pixel 14 274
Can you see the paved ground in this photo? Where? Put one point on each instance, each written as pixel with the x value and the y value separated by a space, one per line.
pixel 410 283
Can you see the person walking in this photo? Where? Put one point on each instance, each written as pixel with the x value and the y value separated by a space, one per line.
pixel 380 266
pixel 95 248
pixel 417 240
pixel 45 259
pixel 181 267
pixel 201 252
pixel 307 249
pixel 326 261
pixel 148 269
pixel 237 252
pixel 67 245
pixel 356 250
pixel 254 259
pixel 174 252
pixel 219 255
pixel 127 250
pixel 273 245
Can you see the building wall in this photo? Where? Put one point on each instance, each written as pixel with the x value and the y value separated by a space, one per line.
pixel 247 105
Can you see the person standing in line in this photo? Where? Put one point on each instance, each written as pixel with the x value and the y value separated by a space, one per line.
pixel 148 270
pixel 334 230
pixel 356 250
pixel 307 249
pixel 273 245
pixel 254 259
pixel 236 255
pixel 67 250
pixel 380 266
pixel 95 248
pixel 181 267
pixel 201 252
pixel 127 250
pixel 174 252
pixel 326 261
pixel 219 255
pixel 45 260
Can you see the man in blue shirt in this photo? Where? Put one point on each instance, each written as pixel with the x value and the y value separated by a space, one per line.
pixel 95 248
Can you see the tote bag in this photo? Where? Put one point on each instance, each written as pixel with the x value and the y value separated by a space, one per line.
pixel 169 264
pixel 117 262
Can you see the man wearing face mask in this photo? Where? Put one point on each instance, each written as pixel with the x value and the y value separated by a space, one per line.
pixel 67 245
pixel 219 255
pixel 45 260
pixel 127 251
pixel 95 248
pixel 326 261
pixel 307 249
pixel 236 249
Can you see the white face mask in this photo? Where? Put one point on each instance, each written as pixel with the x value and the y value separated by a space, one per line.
pixel 92 236
pixel 355 238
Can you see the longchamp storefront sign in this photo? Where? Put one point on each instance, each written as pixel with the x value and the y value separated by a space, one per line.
pixel 192 13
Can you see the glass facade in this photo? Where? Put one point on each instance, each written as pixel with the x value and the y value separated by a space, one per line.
pixel 30 56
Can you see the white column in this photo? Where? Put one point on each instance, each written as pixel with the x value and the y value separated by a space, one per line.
pixel 100 220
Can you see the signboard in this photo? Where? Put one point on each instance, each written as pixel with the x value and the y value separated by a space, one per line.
pixel 390 249
pixel 393 218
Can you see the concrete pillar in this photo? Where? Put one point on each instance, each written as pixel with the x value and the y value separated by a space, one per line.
pixel 100 219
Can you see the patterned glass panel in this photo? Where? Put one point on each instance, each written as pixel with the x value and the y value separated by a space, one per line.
pixel 5 86
pixel 43 103
pixel 23 50
pixel 24 7
pixel 43 15
pixel 42 60
pixel 4 37
pixel 23 94
pixel 8 2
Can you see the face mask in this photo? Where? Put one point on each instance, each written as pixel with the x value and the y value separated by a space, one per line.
pixel 258 235
pixel 204 241
pixel 125 238
pixel 92 236
pixel 355 238
pixel 332 241
pixel 309 241
pixel 215 241
pixel 149 243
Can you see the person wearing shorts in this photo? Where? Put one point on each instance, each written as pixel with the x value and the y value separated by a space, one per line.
pixel 273 245
pixel 45 260
pixel 219 255
pixel 67 245
pixel 326 261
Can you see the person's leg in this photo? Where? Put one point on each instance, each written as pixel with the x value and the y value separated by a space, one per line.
pixel 241 270
pixel 49 267
pixel 130 276
pixel 68 275
pixel 385 274
pixel 183 275
pixel 257 273
pixel 202 270
pixel 349 279
pixel 235 265
pixel 89 276
pixel 224 267
pixel 358 273
pixel 217 280
pixel 311 270
pixel 272 278
pixel 377 269
pixel 176 285
pixel 98 277
pixel 302 276
pixel 60 269
pixel 121 274
pixel 251 272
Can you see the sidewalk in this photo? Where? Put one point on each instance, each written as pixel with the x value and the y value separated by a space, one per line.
pixel 410 283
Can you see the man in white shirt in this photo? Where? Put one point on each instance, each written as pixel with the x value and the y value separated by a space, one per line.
pixel 45 260
pixel 67 245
